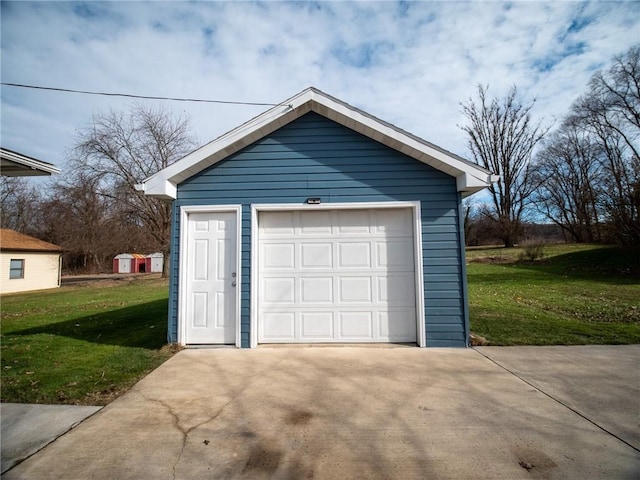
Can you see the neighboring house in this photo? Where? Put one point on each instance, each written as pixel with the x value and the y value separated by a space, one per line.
pixel 14 164
pixel 27 263
pixel 318 223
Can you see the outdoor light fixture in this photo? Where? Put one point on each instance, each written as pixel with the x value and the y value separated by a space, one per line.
pixel 313 201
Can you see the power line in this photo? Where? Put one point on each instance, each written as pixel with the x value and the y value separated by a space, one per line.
pixel 145 97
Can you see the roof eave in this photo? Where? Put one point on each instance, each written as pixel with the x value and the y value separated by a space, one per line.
pixel 158 187
pixel 468 184
pixel 396 138
pixel 31 250
pixel 20 165
pixel 163 184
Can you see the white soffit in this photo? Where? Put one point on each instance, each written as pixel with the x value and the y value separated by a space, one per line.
pixel 14 164
pixel 470 177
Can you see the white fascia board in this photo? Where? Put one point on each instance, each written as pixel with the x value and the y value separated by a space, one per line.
pixel 29 163
pixel 225 145
pixel 469 184
pixel 397 139
pixel 163 184
pixel 158 187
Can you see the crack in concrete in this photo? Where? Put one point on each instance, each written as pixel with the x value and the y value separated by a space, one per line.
pixel 176 417
pixel 176 423
pixel 558 401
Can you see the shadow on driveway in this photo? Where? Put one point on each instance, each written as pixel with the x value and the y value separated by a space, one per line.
pixel 348 412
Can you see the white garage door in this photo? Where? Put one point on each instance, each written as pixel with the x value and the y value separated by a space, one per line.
pixel 331 276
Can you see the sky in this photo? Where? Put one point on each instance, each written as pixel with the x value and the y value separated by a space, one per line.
pixel 407 63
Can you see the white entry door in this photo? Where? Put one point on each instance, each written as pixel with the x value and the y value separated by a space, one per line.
pixel 211 278
pixel 336 276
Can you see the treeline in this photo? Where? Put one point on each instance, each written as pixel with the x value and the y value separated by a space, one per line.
pixel 579 182
pixel 92 210
pixel 90 227
pixel 583 177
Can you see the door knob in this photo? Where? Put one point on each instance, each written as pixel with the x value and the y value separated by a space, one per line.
pixel 233 284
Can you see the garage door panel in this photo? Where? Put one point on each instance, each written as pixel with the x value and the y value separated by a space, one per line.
pixel 278 326
pixel 392 222
pixel 314 223
pixel 336 276
pixel 277 224
pixel 354 255
pixel 275 256
pixel 354 289
pixel 278 290
pixel 353 221
pixel 396 289
pixel 397 325
pixel 316 255
pixel 395 254
pixel 316 290
pixel 316 325
pixel 356 326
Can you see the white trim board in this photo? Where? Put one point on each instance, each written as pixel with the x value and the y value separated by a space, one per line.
pixel 14 164
pixel 418 270
pixel 182 259
pixel 470 177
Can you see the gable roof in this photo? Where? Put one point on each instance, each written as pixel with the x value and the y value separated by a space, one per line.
pixel 470 177
pixel 14 164
pixel 131 255
pixel 14 241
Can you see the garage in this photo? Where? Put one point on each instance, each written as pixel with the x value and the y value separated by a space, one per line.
pixel 346 229
pixel 336 276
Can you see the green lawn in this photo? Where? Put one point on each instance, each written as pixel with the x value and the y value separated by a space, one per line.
pixel 88 344
pixel 82 344
pixel 577 294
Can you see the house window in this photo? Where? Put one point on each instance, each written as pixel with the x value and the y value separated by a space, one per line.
pixel 16 268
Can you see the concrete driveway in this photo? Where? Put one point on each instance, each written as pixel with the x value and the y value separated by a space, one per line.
pixel 352 412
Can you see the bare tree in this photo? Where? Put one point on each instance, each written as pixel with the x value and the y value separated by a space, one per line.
pixel 469 211
pixel 19 200
pixel 501 138
pixel 120 150
pixel 88 225
pixel 568 177
pixel 610 112
pixel 77 218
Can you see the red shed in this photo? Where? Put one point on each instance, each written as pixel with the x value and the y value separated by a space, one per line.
pixel 129 263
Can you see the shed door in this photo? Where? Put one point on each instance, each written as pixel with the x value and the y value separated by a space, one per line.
pixel 211 279
pixel 336 276
pixel 124 265
pixel 156 264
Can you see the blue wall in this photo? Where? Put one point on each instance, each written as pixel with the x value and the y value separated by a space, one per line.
pixel 316 157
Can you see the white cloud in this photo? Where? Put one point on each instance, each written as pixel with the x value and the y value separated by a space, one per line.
pixel 408 63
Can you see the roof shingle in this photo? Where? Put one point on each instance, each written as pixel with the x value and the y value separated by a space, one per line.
pixel 12 240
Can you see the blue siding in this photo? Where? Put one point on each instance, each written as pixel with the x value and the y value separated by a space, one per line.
pixel 316 157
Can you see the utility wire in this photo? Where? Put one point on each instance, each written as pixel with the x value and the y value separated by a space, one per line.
pixel 146 97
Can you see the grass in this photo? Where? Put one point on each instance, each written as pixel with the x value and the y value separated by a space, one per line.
pixel 82 345
pixel 88 344
pixel 575 295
